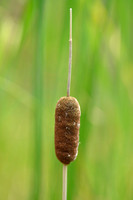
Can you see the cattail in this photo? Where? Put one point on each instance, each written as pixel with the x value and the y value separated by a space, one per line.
pixel 67 124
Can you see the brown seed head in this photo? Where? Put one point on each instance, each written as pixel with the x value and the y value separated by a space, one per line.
pixel 67 124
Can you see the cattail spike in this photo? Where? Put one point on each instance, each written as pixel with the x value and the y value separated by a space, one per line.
pixel 67 124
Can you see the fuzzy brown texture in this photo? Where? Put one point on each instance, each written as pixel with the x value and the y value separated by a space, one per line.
pixel 67 124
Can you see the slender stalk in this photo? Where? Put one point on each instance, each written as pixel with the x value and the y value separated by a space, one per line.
pixel 70 55
pixel 64 193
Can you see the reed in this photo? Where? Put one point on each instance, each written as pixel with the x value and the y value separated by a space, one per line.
pixel 67 124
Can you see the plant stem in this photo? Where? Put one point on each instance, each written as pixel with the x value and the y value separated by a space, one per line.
pixel 64 193
pixel 70 55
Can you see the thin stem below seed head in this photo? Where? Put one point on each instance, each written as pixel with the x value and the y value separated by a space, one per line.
pixel 64 191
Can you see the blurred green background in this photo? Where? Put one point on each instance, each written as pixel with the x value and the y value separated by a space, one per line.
pixel 34 52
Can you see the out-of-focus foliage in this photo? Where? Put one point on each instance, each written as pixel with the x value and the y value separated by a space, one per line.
pixel 34 53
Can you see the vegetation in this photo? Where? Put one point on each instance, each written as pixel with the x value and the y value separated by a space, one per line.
pixel 34 52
